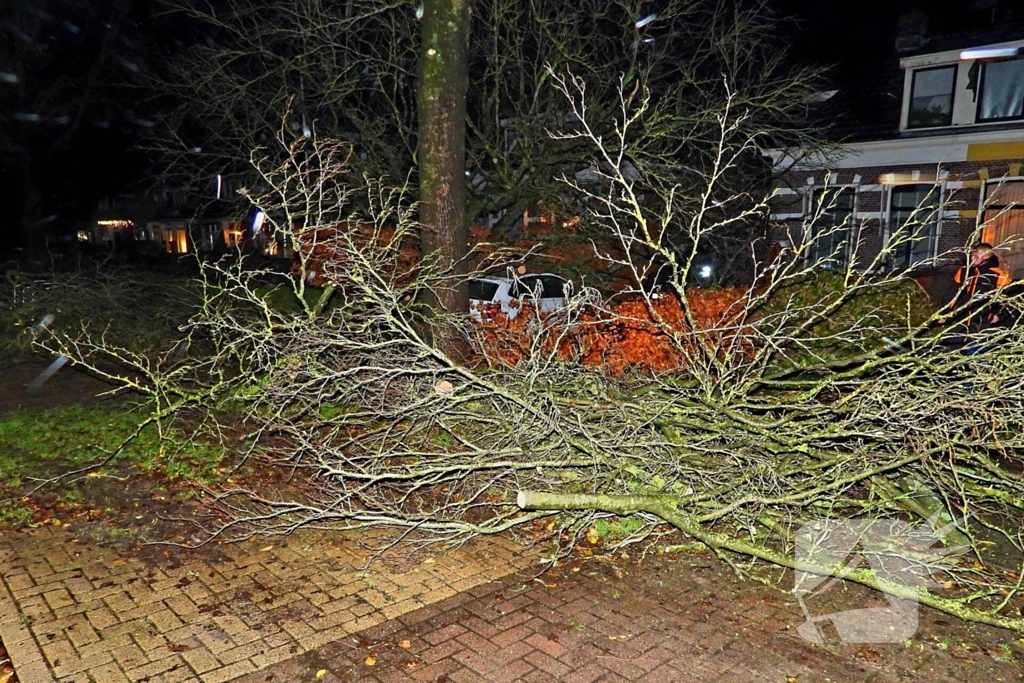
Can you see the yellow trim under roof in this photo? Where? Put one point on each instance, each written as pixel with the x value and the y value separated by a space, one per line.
pixel 995 151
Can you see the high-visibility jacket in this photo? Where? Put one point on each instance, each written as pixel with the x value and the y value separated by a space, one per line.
pixel 1002 276
pixel 978 283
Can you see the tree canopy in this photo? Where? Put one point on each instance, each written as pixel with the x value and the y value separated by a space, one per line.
pixel 347 71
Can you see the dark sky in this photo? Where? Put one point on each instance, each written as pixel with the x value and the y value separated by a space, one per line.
pixel 839 32
pixel 858 39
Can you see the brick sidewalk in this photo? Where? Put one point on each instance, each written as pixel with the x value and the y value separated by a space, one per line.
pixel 662 621
pixel 77 613
pixel 298 609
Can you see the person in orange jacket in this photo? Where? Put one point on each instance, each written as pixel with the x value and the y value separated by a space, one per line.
pixel 978 281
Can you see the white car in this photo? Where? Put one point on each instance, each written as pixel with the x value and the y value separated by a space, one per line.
pixel 547 290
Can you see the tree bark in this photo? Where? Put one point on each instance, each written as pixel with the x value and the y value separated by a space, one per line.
pixel 442 146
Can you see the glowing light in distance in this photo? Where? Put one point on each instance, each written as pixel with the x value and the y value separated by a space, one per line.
pixel 640 23
pixel 989 52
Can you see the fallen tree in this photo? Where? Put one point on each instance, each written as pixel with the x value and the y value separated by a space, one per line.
pixel 807 398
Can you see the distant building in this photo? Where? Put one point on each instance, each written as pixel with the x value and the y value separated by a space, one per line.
pixel 932 160
pixel 182 220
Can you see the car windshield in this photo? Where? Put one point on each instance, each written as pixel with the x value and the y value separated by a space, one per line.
pixel 552 286
pixel 482 290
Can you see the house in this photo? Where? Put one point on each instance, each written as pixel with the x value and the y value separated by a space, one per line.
pixel 932 160
pixel 110 224
pixel 180 219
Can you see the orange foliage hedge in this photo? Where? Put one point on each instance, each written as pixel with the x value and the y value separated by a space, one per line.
pixel 627 333
pixel 327 251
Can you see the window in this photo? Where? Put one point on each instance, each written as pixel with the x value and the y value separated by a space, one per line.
pixel 482 290
pixel 551 287
pixel 913 223
pixel 931 97
pixel 831 217
pixel 1003 223
pixel 1002 90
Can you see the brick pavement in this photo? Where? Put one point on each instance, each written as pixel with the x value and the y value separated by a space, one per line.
pixel 663 621
pixel 75 613
pixel 298 609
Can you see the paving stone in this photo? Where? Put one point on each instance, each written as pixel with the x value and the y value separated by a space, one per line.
pixel 109 673
pixel 159 667
pixel 281 612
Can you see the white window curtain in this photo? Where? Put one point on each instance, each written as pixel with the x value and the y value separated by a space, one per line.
pixel 1002 94
pixel 1003 223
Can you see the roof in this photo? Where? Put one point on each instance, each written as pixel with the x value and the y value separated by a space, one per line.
pixel 990 35
pixel 868 106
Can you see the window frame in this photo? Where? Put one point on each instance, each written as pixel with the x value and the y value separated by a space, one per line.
pixel 903 260
pixel 952 96
pixel 818 221
pixel 1009 257
pixel 981 95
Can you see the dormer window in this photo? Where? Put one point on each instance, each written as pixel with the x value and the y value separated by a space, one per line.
pixel 1001 96
pixel 979 86
pixel 931 99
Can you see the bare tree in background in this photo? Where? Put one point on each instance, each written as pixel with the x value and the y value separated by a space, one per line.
pixel 347 71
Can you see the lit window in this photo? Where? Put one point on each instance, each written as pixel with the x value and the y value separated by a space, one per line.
pixel 1003 223
pixel 831 218
pixel 1002 90
pixel 913 223
pixel 931 97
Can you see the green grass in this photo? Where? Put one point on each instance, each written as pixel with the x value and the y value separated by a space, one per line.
pixel 43 444
pixel 617 528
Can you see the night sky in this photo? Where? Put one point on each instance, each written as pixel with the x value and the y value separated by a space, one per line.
pixel 78 155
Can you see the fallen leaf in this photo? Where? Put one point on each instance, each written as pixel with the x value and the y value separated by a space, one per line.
pixel 867 654
pixel 405 644
pixel 370 661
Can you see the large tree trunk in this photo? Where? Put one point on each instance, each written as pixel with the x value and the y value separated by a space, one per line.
pixel 442 146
